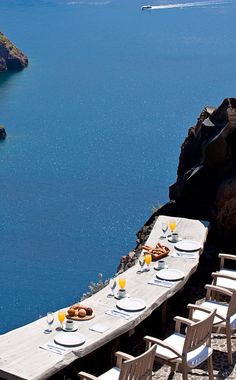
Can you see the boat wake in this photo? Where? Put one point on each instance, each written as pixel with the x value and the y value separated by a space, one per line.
pixel 195 4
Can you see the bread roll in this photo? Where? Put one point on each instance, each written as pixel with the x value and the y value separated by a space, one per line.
pixel 71 312
pixel 82 313
pixel 89 310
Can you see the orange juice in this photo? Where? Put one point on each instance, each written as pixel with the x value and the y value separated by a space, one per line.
pixel 122 282
pixel 61 316
pixel 148 259
pixel 172 225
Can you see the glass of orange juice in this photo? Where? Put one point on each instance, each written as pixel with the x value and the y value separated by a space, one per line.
pixel 172 225
pixel 148 260
pixel 122 282
pixel 61 317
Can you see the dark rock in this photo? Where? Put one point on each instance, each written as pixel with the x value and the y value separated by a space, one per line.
pixel 3 133
pixel 206 179
pixel 11 58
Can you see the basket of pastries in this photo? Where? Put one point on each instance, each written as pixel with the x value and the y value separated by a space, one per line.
pixel 157 252
pixel 79 312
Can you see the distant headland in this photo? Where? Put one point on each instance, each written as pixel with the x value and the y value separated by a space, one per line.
pixel 11 58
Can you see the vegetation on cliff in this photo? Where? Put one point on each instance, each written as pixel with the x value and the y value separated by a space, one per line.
pixel 11 58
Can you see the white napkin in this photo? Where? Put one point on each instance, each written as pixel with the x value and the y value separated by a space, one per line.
pixel 119 313
pixel 99 327
pixel 185 255
pixel 56 348
pixel 159 282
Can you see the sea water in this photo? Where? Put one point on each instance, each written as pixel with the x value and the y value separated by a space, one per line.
pixel 95 125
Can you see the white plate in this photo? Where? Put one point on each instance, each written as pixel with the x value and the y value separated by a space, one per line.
pixel 170 274
pixel 188 245
pixel 69 339
pixel 131 304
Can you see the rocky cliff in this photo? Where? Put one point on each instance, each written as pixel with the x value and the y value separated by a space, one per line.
pixel 206 179
pixel 11 58
pixel 3 133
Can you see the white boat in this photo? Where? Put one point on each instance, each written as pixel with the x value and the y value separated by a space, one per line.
pixel 146 7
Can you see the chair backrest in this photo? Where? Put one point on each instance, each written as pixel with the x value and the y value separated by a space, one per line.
pixel 139 368
pixel 226 293
pixel 199 333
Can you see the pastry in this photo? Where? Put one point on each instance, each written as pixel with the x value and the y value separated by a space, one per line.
pixel 82 313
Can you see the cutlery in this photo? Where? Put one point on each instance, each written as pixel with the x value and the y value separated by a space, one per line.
pixel 120 313
pixel 163 282
pixel 56 350
pixel 61 349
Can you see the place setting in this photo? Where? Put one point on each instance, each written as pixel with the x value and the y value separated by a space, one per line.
pixel 166 277
pixel 125 304
pixel 63 342
pixel 187 248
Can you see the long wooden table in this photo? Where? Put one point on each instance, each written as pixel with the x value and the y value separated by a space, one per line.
pixel 20 354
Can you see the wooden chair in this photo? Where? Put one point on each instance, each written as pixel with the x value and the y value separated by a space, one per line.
pixel 226 278
pixel 188 350
pixel 128 367
pixel 225 312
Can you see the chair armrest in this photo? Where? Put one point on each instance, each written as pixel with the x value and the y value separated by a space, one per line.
pixel 121 356
pixel 222 275
pixel 193 307
pixel 227 256
pixel 150 340
pixel 181 321
pixel 86 376
pixel 217 289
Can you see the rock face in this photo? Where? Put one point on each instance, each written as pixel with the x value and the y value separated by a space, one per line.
pixel 206 179
pixel 207 160
pixel 11 58
pixel 3 133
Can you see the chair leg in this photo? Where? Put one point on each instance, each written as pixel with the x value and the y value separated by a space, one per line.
pixel 229 348
pixel 210 368
pixel 184 373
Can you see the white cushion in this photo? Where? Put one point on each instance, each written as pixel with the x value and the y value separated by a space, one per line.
pixel 225 282
pixel 176 340
pixel 233 322
pixel 221 309
pixel 112 374
pixel 228 272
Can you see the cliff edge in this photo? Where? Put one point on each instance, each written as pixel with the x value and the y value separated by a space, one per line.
pixel 206 181
pixel 11 58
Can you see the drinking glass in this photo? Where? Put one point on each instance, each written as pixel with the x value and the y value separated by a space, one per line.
pixel 172 225
pixel 122 282
pixel 164 228
pixel 141 264
pixel 50 320
pixel 148 259
pixel 61 317
pixel 112 284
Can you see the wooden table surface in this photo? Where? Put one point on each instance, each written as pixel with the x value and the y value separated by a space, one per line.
pixel 20 354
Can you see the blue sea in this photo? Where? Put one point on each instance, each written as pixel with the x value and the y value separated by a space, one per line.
pixel 95 125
